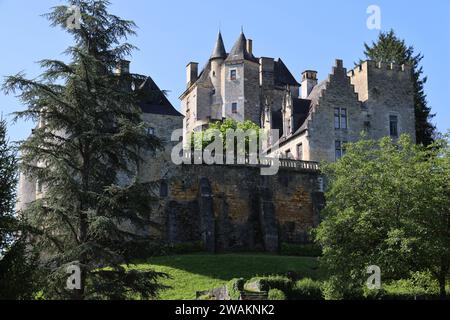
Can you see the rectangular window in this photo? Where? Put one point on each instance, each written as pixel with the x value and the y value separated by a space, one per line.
pixel 343 118
pixel 393 126
pixel 234 107
pixel 300 151
pixel 340 118
pixel 288 154
pixel 233 74
pixel 337 122
pixel 340 149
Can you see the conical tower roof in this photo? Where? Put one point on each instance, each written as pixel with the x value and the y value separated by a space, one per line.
pixel 239 50
pixel 219 51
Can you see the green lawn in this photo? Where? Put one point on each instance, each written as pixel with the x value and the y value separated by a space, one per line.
pixel 197 272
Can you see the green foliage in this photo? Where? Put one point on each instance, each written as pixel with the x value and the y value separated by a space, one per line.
pixel 275 294
pixel 199 272
pixel 19 273
pixel 235 287
pixel 420 283
pixel 387 205
pixel 143 249
pixel 307 289
pixel 8 181
pixel 202 139
pixel 375 294
pixel 84 153
pixel 302 250
pixel 389 48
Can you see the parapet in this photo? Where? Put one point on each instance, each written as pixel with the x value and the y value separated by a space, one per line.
pixel 373 65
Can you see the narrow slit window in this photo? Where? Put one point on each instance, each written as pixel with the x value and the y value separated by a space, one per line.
pixel 233 74
pixel 234 107
pixel 393 126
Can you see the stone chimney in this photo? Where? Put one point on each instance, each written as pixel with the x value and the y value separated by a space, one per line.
pixel 309 81
pixel 123 67
pixel 191 73
pixel 250 46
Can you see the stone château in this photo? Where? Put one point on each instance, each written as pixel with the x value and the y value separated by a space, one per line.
pixel 315 119
pixel 233 207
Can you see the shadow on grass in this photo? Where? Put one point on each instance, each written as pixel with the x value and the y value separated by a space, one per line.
pixel 229 266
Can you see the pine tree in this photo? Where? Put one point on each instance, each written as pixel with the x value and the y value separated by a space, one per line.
pixel 390 49
pixel 84 154
pixel 8 181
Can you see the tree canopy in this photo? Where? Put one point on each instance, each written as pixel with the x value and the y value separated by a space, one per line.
pixel 387 205
pixel 83 155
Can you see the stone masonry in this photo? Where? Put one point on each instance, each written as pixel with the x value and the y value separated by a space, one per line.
pixel 374 99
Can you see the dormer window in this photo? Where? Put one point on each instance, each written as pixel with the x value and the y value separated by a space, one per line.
pixel 233 74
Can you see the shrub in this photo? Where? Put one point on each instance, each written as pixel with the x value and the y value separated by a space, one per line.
pixel 336 288
pixel 235 287
pixel 270 282
pixel 374 294
pixel 307 289
pixel 302 250
pixel 281 283
pixel 419 285
pixel 275 294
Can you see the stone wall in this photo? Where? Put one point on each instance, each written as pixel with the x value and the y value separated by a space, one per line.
pixel 235 208
pixel 370 93
pixel 384 90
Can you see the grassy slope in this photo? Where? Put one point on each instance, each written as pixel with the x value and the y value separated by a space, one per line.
pixel 196 272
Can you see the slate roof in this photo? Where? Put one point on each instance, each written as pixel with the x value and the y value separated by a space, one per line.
pixel 301 110
pixel 277 121
pixel 152 99
pixel 315 93
pixel 219 49
pixel 239 50
pixel 282 74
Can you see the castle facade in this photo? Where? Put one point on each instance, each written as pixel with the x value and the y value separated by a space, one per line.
pixel 314 119
pixel 234 207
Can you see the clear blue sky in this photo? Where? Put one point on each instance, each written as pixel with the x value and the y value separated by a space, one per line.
pixel 305 34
